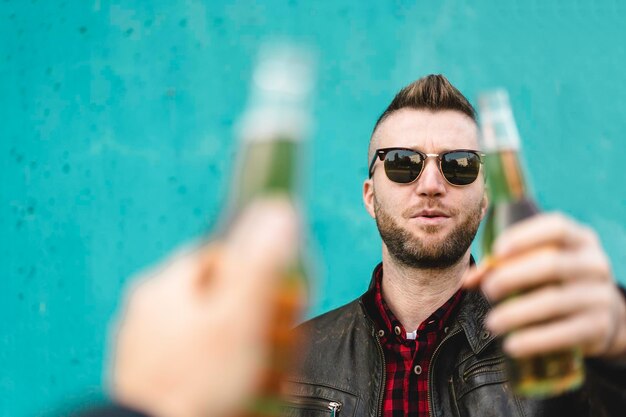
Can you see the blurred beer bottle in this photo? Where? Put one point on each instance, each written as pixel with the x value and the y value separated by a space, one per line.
pixel 510 201
pixel 271 134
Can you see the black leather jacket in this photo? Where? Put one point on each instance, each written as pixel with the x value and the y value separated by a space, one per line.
pixel 342 371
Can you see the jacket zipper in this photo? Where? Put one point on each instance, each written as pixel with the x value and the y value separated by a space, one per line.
pixel 382 387
pixel 430 369
pixel 333 406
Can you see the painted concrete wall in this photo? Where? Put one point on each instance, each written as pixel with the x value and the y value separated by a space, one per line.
pixel 116 126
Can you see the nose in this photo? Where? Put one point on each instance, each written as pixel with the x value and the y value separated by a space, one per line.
pixel 431 183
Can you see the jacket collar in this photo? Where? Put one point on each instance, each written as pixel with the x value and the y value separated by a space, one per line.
pixel 470 316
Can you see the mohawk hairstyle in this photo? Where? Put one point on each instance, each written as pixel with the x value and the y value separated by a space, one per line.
pixel 433 92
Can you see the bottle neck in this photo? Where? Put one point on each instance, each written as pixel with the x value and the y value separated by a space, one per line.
pixel 505 177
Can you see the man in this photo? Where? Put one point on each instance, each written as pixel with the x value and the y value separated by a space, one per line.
pixel 192 339
pixel 418 343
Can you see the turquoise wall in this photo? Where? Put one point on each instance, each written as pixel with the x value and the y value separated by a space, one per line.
pixel 116 126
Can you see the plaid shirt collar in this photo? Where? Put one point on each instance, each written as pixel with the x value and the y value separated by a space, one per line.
pixel 407 360
pixel 387 321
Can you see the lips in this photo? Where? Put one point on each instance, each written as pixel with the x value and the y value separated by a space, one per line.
pixel 430 216
pixel 431 213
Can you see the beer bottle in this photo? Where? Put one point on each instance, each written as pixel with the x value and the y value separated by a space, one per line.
pixel 271 135
pixel 511 201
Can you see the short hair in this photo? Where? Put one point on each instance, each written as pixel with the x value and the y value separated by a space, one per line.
pixel 432 92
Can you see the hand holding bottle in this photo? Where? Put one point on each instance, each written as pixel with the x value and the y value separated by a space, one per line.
pixel 193 338
pixel 567 296
pixel 549 276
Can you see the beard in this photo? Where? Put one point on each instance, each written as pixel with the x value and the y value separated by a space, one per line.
pixel 413 252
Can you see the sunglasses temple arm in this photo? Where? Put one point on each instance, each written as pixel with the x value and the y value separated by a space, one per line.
pixel 376 155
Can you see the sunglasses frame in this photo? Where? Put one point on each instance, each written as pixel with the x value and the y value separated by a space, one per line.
pixel 382 153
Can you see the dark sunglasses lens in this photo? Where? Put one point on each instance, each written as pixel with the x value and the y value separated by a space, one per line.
pixel 403 166
pixel 460 167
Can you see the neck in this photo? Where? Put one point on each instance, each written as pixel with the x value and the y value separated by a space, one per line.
pixel 414 294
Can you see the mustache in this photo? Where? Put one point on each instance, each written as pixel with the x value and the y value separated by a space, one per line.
pixel 431 205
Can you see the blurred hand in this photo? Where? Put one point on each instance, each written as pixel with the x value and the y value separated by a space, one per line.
pixel 565 295
pixel 192 339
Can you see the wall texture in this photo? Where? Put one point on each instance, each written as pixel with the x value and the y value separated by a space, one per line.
pixel 116 126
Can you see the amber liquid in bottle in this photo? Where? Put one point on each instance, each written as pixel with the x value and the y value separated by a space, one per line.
pixel 542 375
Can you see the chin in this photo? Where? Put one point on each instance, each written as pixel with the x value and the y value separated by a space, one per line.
pixel 431 239
pixel 431 230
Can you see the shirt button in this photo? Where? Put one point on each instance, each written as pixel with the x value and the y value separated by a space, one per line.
pixel 397 330
pixel 417 369
pixel 445 330
pixel 381 333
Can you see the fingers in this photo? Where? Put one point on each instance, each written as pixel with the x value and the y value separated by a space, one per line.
pixel 261 245
pixel 585 330
pixel 477 273
pixel 266 234
pixel 590 315
pixel 546 249
pixel 547 304
pixel 542 266
pixel 541 230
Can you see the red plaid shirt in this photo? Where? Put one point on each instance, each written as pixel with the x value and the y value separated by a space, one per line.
pixel 406 387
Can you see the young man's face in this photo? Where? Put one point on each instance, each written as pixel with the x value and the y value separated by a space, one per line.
pixel 428 223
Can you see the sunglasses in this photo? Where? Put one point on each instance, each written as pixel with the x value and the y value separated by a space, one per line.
pixel 402 165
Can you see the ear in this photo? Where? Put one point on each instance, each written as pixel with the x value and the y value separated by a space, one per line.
pixel 368 197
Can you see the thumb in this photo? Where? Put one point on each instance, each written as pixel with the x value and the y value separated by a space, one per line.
pixel 261 245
